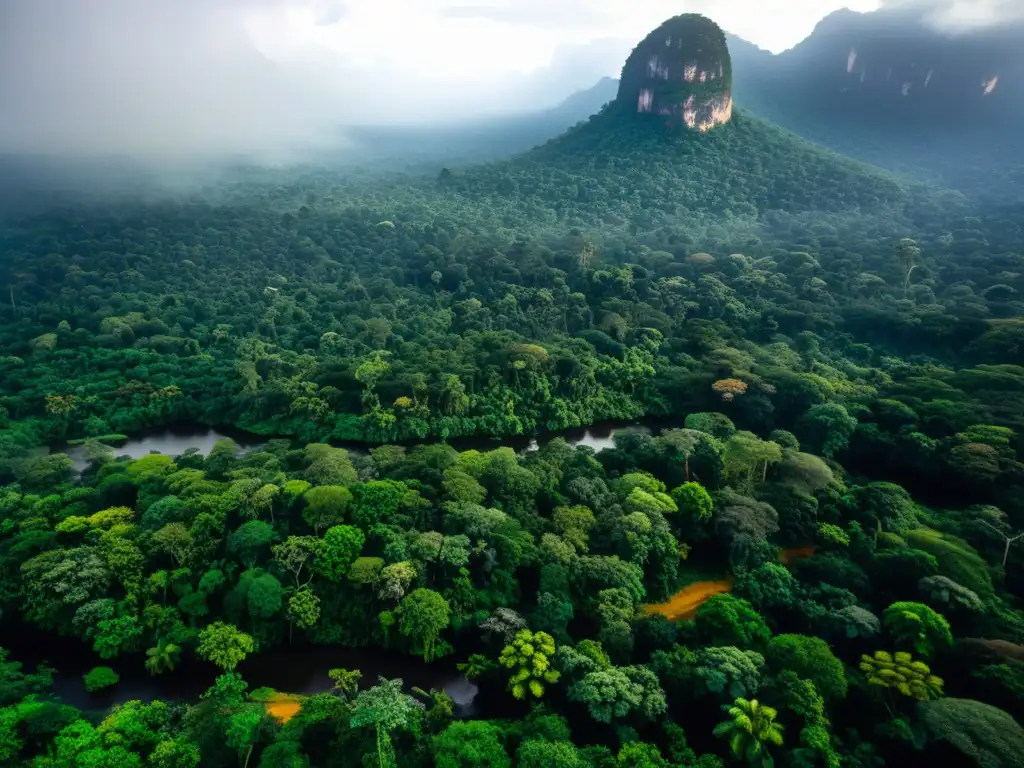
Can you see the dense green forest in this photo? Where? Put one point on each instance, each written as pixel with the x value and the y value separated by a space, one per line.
pixel 837 351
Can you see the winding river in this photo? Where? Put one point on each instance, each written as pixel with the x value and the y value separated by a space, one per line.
pixel 299 669
pixel 174 441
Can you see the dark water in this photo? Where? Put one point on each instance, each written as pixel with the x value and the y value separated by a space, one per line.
pixel 295 669
pixel 291 669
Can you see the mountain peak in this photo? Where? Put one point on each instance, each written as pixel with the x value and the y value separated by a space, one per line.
pixel 682 73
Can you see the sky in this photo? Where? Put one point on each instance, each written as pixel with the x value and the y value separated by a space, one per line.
pixel 178 76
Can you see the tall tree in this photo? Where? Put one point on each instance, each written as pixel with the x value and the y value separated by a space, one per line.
pixel 423 615
pixel 385 707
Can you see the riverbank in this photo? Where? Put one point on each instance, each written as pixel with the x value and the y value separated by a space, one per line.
pixel 291 671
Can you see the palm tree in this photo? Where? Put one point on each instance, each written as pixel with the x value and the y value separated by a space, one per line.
pixel 751 728
pixel 162 658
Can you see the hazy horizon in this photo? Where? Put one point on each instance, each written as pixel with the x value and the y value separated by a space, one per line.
pixel 268 78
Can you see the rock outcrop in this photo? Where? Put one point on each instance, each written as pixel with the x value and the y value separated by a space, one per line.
pixel 681 73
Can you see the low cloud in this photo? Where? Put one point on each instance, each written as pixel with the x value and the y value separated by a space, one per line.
pixel 962 15
pixel 134 77
pixel 184 79
pixel 559 14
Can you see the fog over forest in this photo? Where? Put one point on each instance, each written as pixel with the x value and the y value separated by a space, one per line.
pixel 511 383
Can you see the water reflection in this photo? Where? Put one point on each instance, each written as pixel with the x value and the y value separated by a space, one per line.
pixel 174 441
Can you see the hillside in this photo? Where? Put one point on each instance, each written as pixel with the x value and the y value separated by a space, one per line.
pixel 616 171
pixel 887 89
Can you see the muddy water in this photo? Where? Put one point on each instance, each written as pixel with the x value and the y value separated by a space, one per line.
pixel 683 605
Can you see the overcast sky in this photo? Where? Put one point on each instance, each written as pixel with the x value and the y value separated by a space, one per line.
pixel 137 76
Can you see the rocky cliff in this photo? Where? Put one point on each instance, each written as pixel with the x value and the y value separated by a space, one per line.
pixel 681 73
pixel 890 66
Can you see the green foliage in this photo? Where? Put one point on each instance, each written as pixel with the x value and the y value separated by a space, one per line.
pixel 612 693
pixel 751 730
pixel 163 657
pixel 423 615
pixel 827 428
pixel 918 627
pixel 986 735
pixel 899 672
pixel 326 506
pixel 727 620
pixel 341 547
pixel 224 645
pixel 946 592
pixel 98 678
pixel 742 272
pixel 693 500
pixel 537 753
pixel 812 659
pixel 470 744
pixel 717 425
pixel 729 671
pixel 386 708
pixel 528 657
pixel 955 558
pixel 833 534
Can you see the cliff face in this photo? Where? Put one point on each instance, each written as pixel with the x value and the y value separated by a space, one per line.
pixel 682 73
pixel 886 66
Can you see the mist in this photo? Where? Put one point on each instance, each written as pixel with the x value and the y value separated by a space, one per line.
pixel 183 81
pixel 86 77
pixel 959 16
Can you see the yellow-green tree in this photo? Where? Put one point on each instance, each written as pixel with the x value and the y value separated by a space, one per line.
pixel 529 656
pixel 899 672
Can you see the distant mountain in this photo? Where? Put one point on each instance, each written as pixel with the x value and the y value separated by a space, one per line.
pixel 880 87
pixel 582 104
pixel 669 151
pixel 417 147
pixel 886 88
pixel 890 67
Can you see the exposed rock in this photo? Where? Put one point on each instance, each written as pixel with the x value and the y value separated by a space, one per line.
pixel 682 73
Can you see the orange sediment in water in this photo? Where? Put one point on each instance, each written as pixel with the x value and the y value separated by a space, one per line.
pixel 684 603
pixel 284 707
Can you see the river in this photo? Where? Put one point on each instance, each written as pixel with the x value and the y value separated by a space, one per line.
pixel 299 669
pixel 174 441
pixel 291 669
